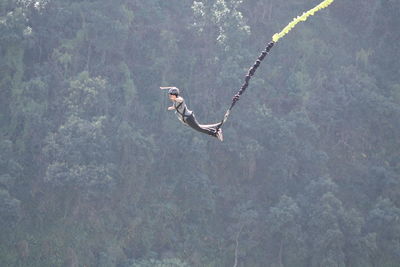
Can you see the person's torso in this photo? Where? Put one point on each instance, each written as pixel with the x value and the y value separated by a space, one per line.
pixel 181 109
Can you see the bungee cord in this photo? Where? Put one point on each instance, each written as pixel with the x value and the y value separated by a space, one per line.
pixel 264 53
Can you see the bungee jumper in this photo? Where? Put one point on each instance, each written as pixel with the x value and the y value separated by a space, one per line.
pixel 187 116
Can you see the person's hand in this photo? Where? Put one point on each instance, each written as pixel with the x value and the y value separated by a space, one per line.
pixel 171 108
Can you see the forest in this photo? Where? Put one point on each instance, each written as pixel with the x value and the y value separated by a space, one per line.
pixel 94 171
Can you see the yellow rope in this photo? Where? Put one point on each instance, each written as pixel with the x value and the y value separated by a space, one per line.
pixel 303 17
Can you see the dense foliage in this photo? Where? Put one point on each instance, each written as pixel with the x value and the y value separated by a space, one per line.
pixel 95 172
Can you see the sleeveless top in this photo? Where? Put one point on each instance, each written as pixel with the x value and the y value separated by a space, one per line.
pixel 181 109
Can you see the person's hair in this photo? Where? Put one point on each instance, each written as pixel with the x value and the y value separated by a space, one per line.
pixel 173 91
pixel 175 94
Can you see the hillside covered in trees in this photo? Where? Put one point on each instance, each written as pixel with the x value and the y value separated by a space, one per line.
pixel 94 171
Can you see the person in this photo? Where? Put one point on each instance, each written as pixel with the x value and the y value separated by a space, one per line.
pixel 187 117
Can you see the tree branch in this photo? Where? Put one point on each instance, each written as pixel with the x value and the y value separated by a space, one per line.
pixel 237 246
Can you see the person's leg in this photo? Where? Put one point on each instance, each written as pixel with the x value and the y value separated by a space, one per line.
pixel 210 126
pixel 207 129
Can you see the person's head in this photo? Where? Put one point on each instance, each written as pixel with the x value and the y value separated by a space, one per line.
pixel 173 93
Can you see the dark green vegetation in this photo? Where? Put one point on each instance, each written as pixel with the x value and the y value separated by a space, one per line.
pixel 95 172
